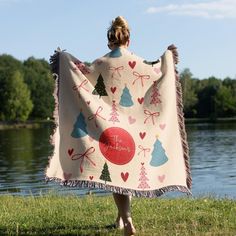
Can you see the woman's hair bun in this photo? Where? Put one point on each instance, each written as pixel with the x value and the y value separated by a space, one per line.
pixel 120 22
pixel 118 33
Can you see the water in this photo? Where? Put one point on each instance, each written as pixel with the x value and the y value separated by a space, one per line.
pixel 213 159
pixel 23 158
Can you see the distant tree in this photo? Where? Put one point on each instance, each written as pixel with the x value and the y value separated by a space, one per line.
pixel 206 107
pixel 16 104
pixel 38 77
pixel 22 84
pixel 225 102
pixel 9 62
pixel 189 93
pixel 231 84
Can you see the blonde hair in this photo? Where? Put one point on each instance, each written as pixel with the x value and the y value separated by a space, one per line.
pixel 118 33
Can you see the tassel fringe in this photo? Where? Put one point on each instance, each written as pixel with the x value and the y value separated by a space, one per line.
pixel 114 189
pixel 181 122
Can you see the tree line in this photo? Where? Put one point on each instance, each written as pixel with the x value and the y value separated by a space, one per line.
pixel 26 89
pixel 208 98
pixel 26 92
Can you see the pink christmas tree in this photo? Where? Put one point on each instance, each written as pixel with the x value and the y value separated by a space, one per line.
pixel 155 97
pixel 143 178
pixel 114 114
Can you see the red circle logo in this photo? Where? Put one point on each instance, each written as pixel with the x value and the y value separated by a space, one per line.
pixel 117 145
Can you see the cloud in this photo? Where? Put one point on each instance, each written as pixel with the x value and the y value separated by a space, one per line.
pixel 218 9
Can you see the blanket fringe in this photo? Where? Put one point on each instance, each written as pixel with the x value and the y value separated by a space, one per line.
pixel 54 63
pixel 114 189
pixel 181 120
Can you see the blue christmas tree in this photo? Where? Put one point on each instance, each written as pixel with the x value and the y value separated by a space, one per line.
pixel 126 99
pixel 158 155
pixel 79 127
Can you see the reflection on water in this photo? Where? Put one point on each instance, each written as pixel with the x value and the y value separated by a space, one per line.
pixel 213 158
pixel 23 158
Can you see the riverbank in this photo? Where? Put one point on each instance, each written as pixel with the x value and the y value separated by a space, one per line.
pixel 93 215
pixel 208 120
pixel 35 124
pixel 41 123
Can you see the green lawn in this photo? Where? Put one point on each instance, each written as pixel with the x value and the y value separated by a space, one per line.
pixel 93 215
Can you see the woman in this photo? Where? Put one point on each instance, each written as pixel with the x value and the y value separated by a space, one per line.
pixel 121 125
pixel 118 35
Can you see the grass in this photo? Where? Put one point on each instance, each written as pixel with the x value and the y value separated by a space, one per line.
pixel 93 215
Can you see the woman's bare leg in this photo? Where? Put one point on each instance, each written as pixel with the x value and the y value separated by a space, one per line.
pixel 123 203
pixel 119 222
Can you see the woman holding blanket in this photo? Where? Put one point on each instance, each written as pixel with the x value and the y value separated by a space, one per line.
pixel 120 125
pixel 118 36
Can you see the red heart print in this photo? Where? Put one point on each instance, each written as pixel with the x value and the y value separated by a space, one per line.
pixel 142 163
pixel 142 135
pixel 70 151
pixel 91 177
pixel 113 89
pixel 162 126
pixel 132 64
pixel 131 120
pixel 67 175
pixel 124 176
pixel 88 102
pixel 140 100
pixel 161 178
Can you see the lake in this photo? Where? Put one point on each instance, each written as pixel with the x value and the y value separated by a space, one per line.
pixel 24 153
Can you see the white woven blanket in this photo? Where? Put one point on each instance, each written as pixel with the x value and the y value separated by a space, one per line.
pixel 120 125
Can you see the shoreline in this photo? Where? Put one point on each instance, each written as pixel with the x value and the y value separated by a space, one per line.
pixel 34 124
pixel 209 120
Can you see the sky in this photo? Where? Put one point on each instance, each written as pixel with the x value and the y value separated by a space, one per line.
pixel 204 31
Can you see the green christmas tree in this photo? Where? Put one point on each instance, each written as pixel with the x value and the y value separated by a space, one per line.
pixel 105 173
pixel 100 88
pixel 126 99
pixel 158 155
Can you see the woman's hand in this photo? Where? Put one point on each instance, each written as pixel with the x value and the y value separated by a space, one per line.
pixel 175 53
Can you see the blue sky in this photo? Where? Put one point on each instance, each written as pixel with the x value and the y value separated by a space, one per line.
pixel 203 30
